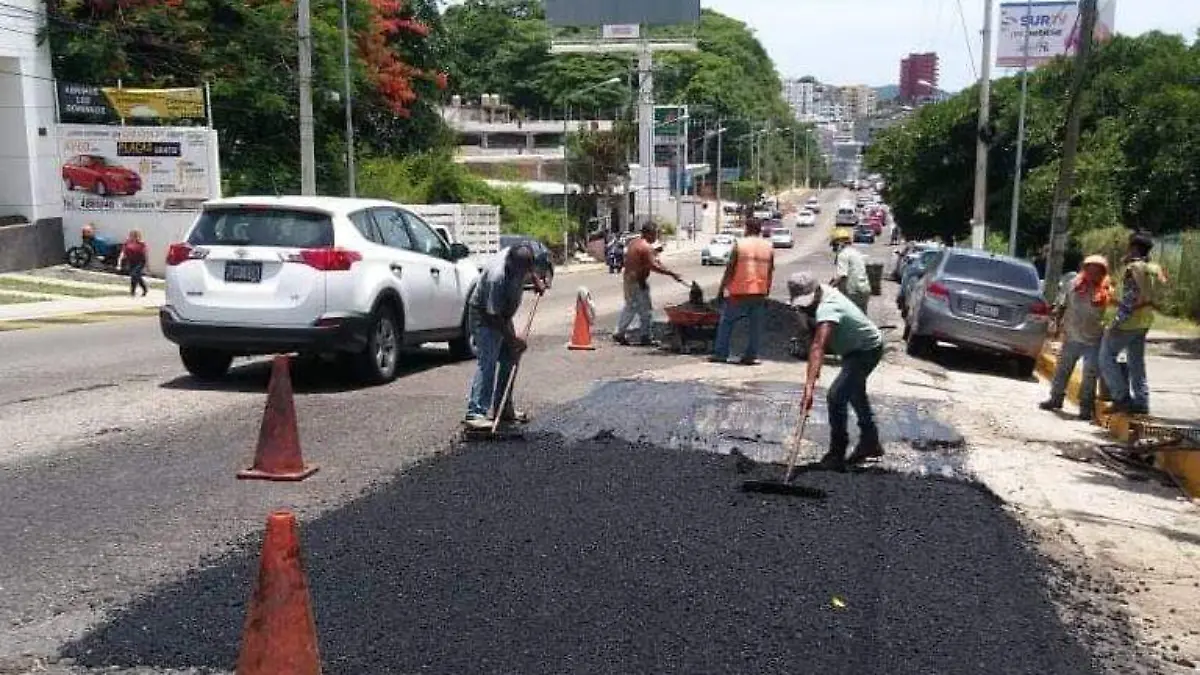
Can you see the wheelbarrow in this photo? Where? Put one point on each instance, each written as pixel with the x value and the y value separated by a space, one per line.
pixel 688 324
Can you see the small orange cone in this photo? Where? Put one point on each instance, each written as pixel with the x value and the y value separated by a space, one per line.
pixel 278 454
pixel 581 335
pixel 280 635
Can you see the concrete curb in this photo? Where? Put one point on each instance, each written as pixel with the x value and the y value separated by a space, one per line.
pixel 1183 465
pixel 77 319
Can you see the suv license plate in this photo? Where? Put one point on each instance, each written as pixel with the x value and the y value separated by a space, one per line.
pixel 990 311
pixel 243 272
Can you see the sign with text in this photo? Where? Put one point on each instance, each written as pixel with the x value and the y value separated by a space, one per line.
pixel 138 169
pixel 630 31
pixel 1051 29
pixel 93 103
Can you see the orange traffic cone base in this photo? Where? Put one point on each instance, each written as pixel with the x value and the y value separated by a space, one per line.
pixel 585 348
pixel 256 474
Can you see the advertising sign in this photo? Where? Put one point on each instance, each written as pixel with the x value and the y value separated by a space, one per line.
pixel 630 31
pixel 610 12
pixel 1052 29
pixel 111 103
pixel 134 169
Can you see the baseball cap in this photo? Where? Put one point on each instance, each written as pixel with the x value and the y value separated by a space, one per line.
pixel 803 288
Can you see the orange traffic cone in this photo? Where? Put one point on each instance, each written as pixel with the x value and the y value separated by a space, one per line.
pixel 581 334
pixel 278 454
pixel 280 635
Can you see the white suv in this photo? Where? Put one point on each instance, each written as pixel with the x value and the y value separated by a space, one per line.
pixel 316 275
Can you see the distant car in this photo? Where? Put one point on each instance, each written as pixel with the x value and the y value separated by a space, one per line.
pixel 95 174
pixel 979 301
pixel 718 250
pixel 863 234
pixel 846 215
pixel 543 266
pixel 806 219
pixel 781 237
pixel 813 204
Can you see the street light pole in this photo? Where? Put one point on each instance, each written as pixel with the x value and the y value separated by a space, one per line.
pixel 350 170
pixel 720 170
pixel 979 221
pixel 1015 216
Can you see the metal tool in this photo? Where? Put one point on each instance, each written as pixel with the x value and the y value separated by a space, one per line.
pixel 785 487
pixel 512 375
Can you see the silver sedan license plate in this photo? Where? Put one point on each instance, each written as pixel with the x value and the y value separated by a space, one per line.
pixel 990 311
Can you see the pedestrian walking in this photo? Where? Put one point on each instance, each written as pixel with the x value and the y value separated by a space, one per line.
pixel 843 329
pixel 1141 288
pixel 743 292
pixel 851 277
pixel 640 261
pixel 1081 316
pixel 133 259
pixel 491 309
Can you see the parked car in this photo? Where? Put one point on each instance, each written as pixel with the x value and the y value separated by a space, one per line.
pixel 355 278
pixel 781 237
pixel 718 250
pixel 979 301
pixel 543 266
pixel 806 219
pixel 907 255
pixel 813 204
pixel 913 271
pixel 95 174
pixel 864 234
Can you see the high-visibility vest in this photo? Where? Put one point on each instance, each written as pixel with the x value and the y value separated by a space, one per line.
pixel 752 268
pixel 1149 278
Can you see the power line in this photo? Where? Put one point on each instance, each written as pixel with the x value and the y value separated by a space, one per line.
pixel 967 39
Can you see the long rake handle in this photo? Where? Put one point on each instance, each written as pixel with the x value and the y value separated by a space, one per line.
pixel 795 455
pixel 512 375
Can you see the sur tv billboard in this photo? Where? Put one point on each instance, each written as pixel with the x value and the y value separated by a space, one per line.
pixel 1052 30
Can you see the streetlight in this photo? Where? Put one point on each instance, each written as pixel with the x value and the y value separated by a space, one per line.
pixel 566 164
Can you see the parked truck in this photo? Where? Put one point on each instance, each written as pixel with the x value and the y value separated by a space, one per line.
pixel 475 225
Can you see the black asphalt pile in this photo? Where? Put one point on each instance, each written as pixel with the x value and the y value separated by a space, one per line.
pixel 609 557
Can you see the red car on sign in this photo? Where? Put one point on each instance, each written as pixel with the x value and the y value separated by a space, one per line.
pixel 94 174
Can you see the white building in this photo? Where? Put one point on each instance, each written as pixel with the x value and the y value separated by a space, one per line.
pixel 29 190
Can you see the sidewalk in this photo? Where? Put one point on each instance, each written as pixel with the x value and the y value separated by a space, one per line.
pixel 51 294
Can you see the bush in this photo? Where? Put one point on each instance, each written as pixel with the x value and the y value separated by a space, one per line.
pixel 1182 264
pixel 434 178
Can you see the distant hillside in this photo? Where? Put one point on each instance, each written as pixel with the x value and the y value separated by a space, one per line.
pixel 887 92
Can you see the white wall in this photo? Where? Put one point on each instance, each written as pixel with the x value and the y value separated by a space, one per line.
pixel 28 149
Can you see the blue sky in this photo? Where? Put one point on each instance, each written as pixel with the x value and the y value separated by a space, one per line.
pixel 862 41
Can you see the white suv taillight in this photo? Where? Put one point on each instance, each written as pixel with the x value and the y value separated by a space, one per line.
pixel 181 253
pixel 327 259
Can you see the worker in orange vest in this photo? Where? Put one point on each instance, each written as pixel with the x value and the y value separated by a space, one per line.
pixel 744 290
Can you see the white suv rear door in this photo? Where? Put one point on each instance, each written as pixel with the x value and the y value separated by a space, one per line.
pixel 411 270
pixel 447 282
pixel 253 266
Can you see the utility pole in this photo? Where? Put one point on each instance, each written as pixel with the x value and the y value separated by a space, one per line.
pixel 308 153
pixel 1015 216
pixel 720 212
pixel 1066 175
pixel 350 170
pixel 983 138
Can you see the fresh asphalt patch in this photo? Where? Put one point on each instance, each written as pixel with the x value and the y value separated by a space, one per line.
pixel 605 556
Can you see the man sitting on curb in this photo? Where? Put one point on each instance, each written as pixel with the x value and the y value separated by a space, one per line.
pixel 747 280
pixel 492 306
pixel 842 328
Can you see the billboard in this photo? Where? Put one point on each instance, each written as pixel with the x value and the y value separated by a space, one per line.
pixel 134 169
pixel 1052 29
pixel 609 12
pixel 112 103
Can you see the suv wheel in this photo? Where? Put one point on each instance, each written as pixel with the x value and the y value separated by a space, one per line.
pixel 378 362
pixel 205 364
pixel 464 347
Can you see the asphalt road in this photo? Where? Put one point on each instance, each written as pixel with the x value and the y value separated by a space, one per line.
pixel 117 469
pixel 130 545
